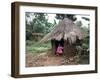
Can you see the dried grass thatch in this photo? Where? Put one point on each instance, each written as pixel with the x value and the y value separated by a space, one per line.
pixel 65 29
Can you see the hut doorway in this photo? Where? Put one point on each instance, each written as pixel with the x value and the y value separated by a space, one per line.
pixel 58 46
pixel 67 49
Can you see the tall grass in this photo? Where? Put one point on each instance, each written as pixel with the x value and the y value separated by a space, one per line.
pixel 36 48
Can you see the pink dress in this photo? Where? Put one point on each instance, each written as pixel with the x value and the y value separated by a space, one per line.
pixel 59 50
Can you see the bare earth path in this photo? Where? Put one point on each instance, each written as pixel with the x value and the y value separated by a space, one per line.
pixel 48 59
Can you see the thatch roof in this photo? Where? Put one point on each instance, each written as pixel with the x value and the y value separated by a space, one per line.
pixel 65 29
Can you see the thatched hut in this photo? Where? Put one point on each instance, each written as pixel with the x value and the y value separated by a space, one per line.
pixel 65 33
pixel 37 36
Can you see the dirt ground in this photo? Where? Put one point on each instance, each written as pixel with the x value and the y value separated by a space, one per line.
pixel 49 59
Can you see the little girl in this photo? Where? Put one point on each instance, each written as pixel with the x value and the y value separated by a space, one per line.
pixel 59 50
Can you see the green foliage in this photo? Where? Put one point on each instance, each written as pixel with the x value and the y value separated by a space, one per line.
pixel 84 47
pixel 62 16
pixel 87 19
pixel 85 43
pixel 38 24
pixel 37 48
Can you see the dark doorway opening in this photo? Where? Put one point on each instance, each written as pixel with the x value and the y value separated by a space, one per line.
pixel 59 46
